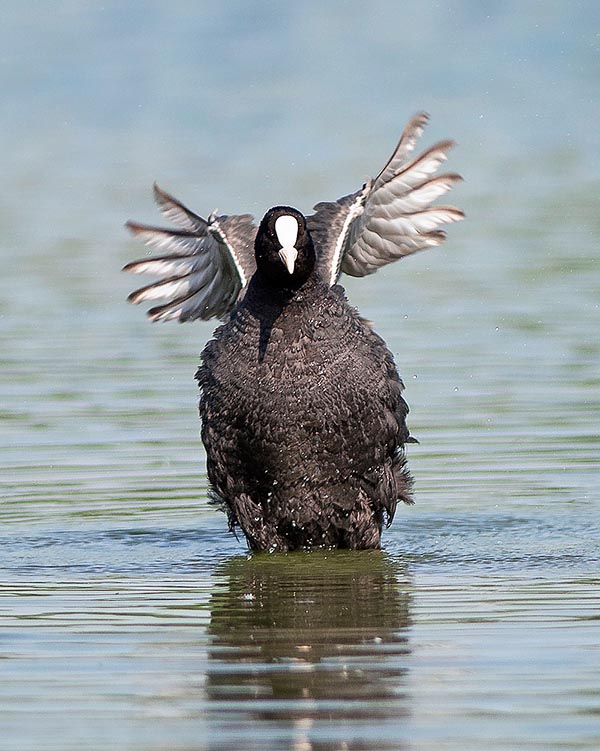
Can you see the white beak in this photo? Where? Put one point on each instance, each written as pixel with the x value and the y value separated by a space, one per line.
pixel 288 256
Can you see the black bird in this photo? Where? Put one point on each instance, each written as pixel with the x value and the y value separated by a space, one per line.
pixel 302 414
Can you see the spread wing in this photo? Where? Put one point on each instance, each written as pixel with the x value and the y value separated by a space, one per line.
pixel 392 216
pixel 204 267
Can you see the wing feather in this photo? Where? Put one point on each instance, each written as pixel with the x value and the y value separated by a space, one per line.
pixel 205 267
pixel 177 213
pixel 160 238
pixel 406 145
pixel 165 266
pixel 391 216
pixel 393 198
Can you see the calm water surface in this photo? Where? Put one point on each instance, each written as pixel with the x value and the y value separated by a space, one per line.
pixel 129 617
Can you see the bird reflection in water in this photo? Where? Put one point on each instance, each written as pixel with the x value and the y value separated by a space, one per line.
pixel 313 648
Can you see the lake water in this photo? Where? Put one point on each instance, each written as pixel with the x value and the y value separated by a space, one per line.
pixel 129 617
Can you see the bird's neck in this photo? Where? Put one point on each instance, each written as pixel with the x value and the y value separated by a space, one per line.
pixel 264 289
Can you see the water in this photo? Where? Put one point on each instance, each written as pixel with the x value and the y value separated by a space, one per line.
pixel 129 617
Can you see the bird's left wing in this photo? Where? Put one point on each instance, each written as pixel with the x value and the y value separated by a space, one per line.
pixel 391 216
pixel 204 266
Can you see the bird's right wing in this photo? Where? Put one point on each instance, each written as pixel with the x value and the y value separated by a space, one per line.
pixel 204 267
pixel 391 216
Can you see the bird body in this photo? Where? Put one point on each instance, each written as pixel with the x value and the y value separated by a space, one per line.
pixel 303 418
pixel 301 407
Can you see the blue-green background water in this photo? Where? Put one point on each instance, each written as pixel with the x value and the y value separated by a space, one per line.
pixel 129 617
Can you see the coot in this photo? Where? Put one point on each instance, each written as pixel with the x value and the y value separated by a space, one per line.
pixel 301 404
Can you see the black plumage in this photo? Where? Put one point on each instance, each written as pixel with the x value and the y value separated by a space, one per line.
pixel 302 414
pixel 301 404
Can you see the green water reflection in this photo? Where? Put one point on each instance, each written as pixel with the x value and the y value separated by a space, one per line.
pixel 311 641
